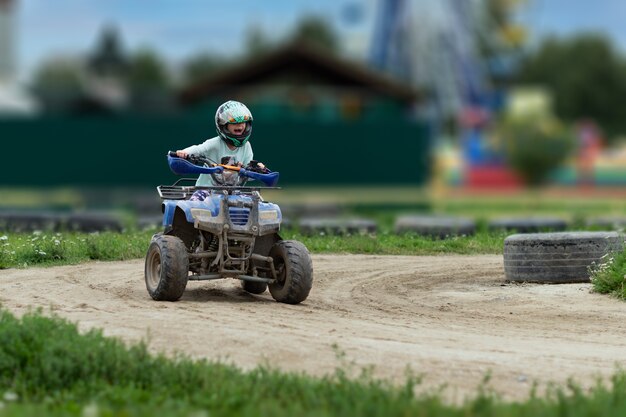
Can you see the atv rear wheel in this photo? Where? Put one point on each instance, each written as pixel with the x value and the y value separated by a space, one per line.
pixel 167 268
pixel 254 287
pixel 294 270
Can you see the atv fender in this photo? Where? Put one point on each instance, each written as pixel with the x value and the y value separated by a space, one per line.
pixel 169 208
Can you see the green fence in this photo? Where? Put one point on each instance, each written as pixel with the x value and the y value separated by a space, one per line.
pixel 130 151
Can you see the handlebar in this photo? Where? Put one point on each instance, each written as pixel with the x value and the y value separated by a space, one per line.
pixel 270 179
pixel 182 166
pixel 185 166
pixel 195 159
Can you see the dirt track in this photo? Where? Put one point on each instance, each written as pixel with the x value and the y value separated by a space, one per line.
pixel 452 318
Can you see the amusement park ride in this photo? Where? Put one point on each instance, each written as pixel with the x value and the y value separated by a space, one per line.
pixel 460 53
pixel 457 51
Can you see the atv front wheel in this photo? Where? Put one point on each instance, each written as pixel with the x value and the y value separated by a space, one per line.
pixel 294 270
pixel 167 268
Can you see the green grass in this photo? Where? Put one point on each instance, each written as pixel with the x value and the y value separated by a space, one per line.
pixel 45 249
pixel 610 277
pixel 47 367
pixel 406 244
pixel 19 250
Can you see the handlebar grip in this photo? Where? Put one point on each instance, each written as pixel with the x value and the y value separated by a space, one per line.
pixel 173 154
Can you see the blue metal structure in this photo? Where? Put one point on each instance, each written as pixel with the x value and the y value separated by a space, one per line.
pixel 434 46
pixel 385 32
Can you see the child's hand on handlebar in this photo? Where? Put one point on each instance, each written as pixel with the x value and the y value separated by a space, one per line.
pixel 182 154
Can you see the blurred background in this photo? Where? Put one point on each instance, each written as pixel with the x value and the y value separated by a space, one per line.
pixel 411 104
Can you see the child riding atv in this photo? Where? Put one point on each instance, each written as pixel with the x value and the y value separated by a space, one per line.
pixel 221 228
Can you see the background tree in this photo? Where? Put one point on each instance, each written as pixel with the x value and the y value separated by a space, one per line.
pixel 257 42
pixel 313 29
pixel 201 66
pixel 108 58
pixel 534 146
pixel 586 75
pixel 318 31
pixel 149 81
pixel 57 83
pixel 148 71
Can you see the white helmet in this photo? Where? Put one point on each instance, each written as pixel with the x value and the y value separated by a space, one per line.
pixel 233 112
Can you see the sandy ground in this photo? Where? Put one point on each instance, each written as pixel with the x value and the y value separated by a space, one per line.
pixel 451 318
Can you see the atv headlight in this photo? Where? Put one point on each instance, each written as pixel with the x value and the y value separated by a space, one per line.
pixel 268 215
pixel 202 215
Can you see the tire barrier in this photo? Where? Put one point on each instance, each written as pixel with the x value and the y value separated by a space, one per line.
pixel 528 224
pixel 26 222
pixel 559 257
pixel 311 210
pixel 333 226
pixel 435 226
pixel 150 221
pixel 17 222
pixel 608 223
pixel 89 222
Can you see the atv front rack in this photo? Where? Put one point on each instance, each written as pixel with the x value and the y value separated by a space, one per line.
pixel 184 192
pixel 175 192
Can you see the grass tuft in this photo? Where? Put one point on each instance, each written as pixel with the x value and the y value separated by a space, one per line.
pixel 610 277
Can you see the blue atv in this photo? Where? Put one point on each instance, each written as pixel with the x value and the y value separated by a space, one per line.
pixel 231 233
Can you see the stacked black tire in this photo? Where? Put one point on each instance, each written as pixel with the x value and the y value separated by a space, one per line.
pixel 528 224
pixel 440 227
pixel 559 257
pixel 337 226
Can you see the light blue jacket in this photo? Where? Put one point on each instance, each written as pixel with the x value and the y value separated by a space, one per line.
pixel 215 149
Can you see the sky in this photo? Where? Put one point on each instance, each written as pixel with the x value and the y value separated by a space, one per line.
pixel 180 28
pixel 177 28
pixel 566 17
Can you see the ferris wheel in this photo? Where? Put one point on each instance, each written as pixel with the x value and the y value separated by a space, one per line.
pixel 440 47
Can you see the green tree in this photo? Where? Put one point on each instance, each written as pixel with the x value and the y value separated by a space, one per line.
pixel 535 146
pixel 317 30
pixel 148 71
pixel 201 66
pixel 108 58
pixel 57 83
pixel 257 42
pixel 312 29
pixel 586 75
pixel 149 81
